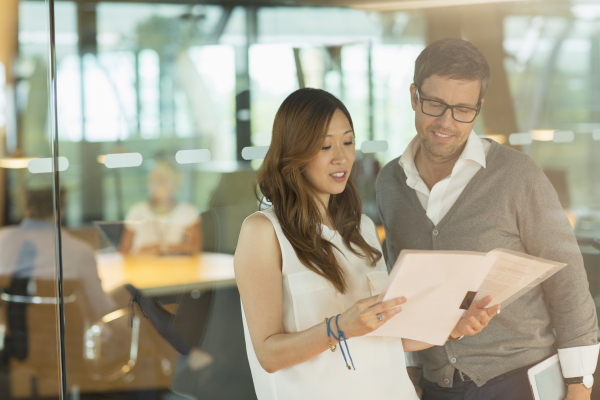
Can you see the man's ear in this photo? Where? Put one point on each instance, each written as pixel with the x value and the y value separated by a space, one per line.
pixel 481 103
pixel 413 96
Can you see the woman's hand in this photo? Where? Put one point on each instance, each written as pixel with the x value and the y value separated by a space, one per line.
pixel 362 317
pixel 149 250
pixel 476 318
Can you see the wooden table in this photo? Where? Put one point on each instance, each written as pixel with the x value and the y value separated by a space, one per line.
pixel 164 275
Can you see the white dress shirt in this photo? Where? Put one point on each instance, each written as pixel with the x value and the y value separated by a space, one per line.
pixel 28 251
pixel 443 195
pixel 151 228
pixel 575 361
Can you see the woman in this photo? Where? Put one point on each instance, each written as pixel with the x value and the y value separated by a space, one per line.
pixel 312 256
pixel 162 225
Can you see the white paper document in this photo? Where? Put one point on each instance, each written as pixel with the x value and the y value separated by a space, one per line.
pixel 440 286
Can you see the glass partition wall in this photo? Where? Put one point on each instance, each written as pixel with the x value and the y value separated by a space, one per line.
pixel 29 305
pixel 163 112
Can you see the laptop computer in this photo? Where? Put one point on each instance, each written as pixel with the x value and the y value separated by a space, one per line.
pixel 111 232
pixel 546 380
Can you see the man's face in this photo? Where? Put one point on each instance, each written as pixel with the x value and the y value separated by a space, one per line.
pixel 443 138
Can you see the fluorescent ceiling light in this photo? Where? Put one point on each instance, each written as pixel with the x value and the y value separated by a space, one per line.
pixel 501 139
pixel 419 4
pixel 542 135
pixel 15 162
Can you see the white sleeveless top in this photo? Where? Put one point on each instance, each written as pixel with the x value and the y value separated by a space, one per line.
pixel 307 299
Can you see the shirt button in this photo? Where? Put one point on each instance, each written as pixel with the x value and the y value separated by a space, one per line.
pixel 435 232
pixel 453 360
pixel 446 380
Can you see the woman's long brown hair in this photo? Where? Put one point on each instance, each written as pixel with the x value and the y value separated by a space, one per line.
pixel 298 134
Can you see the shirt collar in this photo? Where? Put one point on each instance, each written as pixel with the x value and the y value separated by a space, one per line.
pixel 474 150
pixel 407 162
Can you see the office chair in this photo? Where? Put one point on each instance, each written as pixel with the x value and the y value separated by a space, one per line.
pixel 30 342
pixel 184 329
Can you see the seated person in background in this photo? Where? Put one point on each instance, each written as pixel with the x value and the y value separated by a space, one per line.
pixel 28 250
pixel 162 225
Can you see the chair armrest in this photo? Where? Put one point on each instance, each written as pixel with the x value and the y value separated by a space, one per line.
pixel 93 344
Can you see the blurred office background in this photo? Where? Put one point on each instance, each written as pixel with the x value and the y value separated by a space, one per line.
pixel 155 104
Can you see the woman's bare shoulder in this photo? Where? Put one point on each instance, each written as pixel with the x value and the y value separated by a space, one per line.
pixel 257 230
pixel 259 226
pixel 257 220
pixel 258 242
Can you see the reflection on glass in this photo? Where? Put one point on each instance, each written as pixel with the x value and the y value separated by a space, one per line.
pixel 125 160
pixel 162 225
pixel 141 77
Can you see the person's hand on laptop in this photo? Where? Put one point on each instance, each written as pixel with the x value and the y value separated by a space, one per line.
pixel 476 318
pixel 150 250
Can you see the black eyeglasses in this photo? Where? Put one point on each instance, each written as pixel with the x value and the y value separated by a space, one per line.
pixel 436 108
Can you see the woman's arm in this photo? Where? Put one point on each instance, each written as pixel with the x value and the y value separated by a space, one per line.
pixel 414 345
pixel 191 244
pixel 126 241
pixel 258 274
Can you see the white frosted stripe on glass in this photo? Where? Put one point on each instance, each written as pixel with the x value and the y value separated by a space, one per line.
pixel 564 136
pixel 254 152
pixel 596 134
pixel 519 139
pixel 44 165
pixel 123 160
pixel 192 156
pixel 374 146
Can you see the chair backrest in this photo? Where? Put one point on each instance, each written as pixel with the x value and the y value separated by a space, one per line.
pixel 192 317
pixel 227 223
pixel 87 234
pixel 231 202
pixel 103 368
pixel 33 364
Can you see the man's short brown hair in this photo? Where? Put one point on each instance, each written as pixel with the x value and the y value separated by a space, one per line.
pixel 453 58
pixel 39 203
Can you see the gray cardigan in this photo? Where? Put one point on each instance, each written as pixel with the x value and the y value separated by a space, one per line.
pixel 509 204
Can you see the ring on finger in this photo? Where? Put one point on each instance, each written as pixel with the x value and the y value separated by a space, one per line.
pixel 380 317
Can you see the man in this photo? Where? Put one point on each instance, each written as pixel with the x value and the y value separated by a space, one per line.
pixel 28 250
pixel 451 190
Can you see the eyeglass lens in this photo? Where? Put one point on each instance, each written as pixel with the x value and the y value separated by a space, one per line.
pixel 436 109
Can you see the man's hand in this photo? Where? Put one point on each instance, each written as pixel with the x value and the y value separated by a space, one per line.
pixel 476 318
pixel 578 392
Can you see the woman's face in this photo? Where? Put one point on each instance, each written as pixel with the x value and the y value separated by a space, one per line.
pixel 163 182
pixel 328 172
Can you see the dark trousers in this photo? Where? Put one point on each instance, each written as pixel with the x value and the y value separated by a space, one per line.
pixel 513 385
